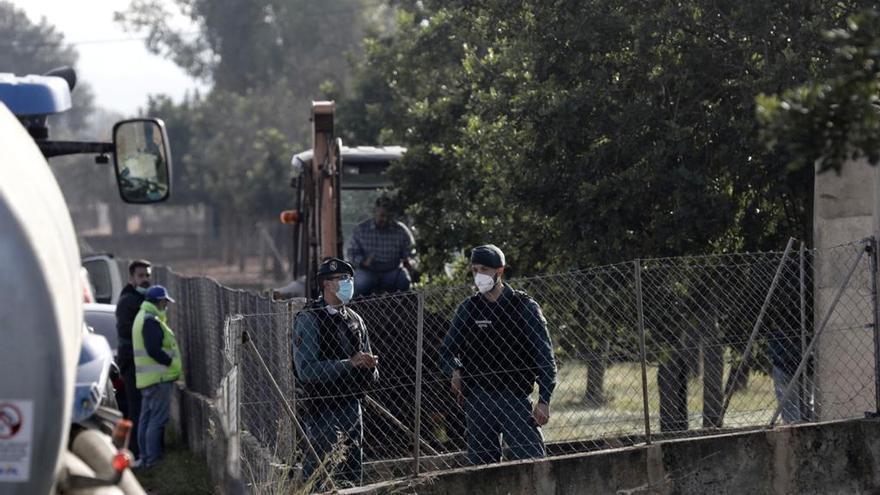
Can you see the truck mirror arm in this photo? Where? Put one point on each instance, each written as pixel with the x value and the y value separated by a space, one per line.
pixel 59 148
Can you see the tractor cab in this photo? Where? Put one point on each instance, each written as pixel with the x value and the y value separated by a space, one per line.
pixel 363 179
pixel 336 188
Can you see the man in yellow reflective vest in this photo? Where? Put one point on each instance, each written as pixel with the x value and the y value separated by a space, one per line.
pixel 157 365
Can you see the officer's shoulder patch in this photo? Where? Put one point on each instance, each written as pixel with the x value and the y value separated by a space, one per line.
pixel 521 294
pixel 307 312
pixel 523 297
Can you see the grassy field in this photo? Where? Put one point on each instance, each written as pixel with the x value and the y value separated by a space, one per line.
pixel 180 472
pixel 623 413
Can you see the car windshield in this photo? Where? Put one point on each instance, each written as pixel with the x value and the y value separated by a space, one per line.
pixel 104 323
pixel 99 276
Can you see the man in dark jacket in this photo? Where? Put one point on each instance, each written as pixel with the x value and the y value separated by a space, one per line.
pixel 130 300
pixel 496 349
pixel 784 347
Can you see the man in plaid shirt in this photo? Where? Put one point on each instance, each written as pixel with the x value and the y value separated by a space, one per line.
pixel 380 249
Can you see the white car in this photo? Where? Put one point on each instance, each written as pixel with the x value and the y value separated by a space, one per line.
pixel 102 319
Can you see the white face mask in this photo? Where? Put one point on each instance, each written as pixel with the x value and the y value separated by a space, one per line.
pixel 484 282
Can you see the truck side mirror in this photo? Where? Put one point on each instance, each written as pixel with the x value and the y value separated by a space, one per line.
pixel 142 160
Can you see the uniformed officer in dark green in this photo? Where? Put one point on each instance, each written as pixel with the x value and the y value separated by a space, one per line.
pixel 334 365
pixel 496 350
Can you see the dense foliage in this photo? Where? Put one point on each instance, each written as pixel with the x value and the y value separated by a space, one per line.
pixel 833 117
pixel 583 132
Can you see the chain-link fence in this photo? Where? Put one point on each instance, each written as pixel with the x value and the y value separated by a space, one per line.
pixel 633 353
pixel 212 406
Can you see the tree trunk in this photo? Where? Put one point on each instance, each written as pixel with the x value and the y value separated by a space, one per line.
pixel 713 379
pixel 263 250
pixel 672 381
pixel 690 352
pixel 243 244
pixel 281 236
pixel 597 364
pixel 277 269
pixel 742 381
pixel 227 237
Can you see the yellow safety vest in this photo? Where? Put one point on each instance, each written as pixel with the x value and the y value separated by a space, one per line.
pixel 148 371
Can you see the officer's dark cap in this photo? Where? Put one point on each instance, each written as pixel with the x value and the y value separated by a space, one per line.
pixel 333 266
pixel 487 255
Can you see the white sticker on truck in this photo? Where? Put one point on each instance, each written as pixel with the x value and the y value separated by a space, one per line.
pixel 16 439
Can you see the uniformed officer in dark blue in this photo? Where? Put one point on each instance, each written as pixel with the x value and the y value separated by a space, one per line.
pixel 496 349
pixel 334 365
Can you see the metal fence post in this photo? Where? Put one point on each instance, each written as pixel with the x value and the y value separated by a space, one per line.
pixel 420 336
pixel 289 317
pixel 872 246
pixel 235 396
pixel 804 395
pixel 800 369
pixel 748 350
pixel 642 352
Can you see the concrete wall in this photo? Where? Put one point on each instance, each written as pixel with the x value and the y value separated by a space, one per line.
pixel 837 457
pixel 846 210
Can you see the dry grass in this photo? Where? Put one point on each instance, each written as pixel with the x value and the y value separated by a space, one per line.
pixel 623 414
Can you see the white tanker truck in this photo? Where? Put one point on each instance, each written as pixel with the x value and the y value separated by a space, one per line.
pixel 51 442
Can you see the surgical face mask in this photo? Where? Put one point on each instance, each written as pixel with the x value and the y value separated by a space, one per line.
pixel 141 290
pixel 484 282
pixel 345 290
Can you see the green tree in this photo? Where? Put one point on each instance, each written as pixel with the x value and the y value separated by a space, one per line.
pixel 585 132
pixel 833 117
pixel 261 48
pixel 229 158
pixel 267 60
pixel 588 132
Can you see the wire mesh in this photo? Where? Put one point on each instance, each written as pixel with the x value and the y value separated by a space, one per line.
pixel 269 436
pixel 843 368
pixel 217 367
pixel 724 337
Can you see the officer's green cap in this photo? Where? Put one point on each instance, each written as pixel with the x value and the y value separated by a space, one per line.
pixel 487 255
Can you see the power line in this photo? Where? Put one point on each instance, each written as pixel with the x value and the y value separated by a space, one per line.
pixel 125 39
pixel 104 41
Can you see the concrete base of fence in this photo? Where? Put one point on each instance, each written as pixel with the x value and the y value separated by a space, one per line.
pixel 833 457
pixel 197 419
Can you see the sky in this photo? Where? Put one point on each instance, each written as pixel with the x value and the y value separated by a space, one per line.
pixel 120 70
